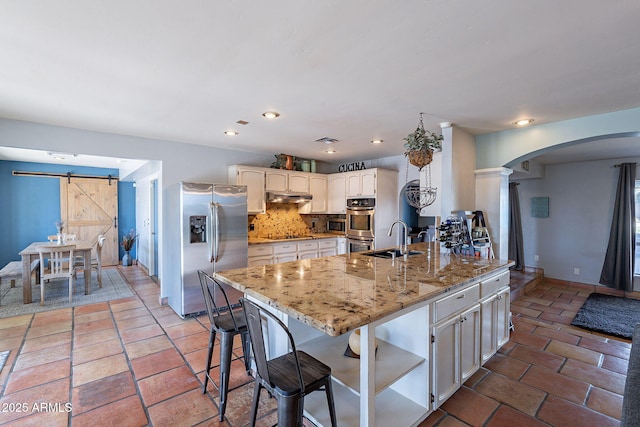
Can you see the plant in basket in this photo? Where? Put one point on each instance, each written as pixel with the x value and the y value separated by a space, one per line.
pixel 421 144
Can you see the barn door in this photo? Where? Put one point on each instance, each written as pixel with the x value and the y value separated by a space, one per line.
pixel 89 207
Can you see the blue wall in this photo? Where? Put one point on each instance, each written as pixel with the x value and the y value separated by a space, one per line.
pixel 30 206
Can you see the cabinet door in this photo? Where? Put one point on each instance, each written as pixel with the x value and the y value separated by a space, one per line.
pixel 278 258
pixel 327 252
pixel 446 360
pixel 307 255
pixel 469 342
pixel 318 189
pixel 368 183
pixel 337 201
pixel 277 180
pixel 254 180
pixel 298 182
pixel 352 184
pixel 488 339
pixel 342 245
pixel 259 260
pixel 503 304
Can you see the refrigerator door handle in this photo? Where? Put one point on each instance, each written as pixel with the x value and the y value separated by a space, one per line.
pixel 215 231
pixel 209 235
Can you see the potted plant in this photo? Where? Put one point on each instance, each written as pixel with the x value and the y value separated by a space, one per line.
pixel 420 145
pixel 127 244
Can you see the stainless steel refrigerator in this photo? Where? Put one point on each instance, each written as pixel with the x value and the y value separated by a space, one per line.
pixel 210 234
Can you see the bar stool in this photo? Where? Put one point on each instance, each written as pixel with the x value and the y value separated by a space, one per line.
pixel 289 377
pixel 228 324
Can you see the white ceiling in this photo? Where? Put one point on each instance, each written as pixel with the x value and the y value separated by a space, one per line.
pixel 351 70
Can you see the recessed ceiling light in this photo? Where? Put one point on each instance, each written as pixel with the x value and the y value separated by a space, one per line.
pixel 230 132
pixel 330 151
pixel 523 122
pixel 327 140
pixel 270 114
pixel 377 141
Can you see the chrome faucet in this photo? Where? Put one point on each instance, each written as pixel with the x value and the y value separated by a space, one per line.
pixel 403 249
pixel 426 232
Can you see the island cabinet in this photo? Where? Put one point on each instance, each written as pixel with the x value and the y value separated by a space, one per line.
pixel 495 307
pixel 456 342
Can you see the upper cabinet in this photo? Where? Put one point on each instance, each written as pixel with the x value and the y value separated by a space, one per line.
pixel 287 181
pixel 254 179
pixel 318 189
pixel 336 196
pixel 361 183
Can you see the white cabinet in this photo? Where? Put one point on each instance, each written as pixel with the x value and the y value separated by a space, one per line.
pixel 308 249
pixel 342 245
pixel 327 247
pixel 495 302
pixel 318 189
pixel 361 184
pixel 254 179
pixel 260 255
pixel 287 181
pixel 455 342
pixel 336 196
pixel 284 252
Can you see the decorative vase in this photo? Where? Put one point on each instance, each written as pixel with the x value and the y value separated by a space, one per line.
pixel 59 235
pixel 420 158
pixel 126 259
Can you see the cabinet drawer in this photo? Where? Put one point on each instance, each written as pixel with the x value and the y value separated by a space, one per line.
pixel 311 245
pixel 456 302
pixel 284 248
pixel 492 284
pixel 327 243
pixel 260 250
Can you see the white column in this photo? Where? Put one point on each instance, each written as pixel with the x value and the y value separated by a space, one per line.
pixel 492 198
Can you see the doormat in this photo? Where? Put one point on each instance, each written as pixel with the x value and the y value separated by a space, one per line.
pixel 609 315
pixel 3 358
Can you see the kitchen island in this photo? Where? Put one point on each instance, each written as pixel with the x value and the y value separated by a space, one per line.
pixel 411 308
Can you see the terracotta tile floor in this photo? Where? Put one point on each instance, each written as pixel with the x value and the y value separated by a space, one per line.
pixel 132 362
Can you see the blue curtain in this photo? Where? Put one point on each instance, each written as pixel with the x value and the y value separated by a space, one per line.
pixel 617 271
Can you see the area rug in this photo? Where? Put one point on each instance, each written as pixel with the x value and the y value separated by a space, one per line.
pixel 609 315
pixel 57 294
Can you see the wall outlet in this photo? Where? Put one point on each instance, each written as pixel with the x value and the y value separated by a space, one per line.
pixel 536 257
pixel 576 271
pixel 252 227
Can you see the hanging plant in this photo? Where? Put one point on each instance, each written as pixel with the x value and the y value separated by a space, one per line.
pixel 421 144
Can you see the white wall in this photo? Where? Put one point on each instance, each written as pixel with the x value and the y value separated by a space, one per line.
pixel 575 235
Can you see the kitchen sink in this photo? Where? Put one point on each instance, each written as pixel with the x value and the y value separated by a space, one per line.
pixel 389 253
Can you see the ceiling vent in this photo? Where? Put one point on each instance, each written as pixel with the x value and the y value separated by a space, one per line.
pixel 327 140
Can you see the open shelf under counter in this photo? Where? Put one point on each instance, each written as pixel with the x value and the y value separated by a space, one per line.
pixel 392 362
pixel 391 408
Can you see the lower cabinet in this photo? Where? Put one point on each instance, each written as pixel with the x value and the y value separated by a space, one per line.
pixel 274 253
pixel 495 323
pixel 456 352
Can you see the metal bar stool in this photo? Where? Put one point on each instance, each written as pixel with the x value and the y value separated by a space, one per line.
pixel 289 377
pixel 228 324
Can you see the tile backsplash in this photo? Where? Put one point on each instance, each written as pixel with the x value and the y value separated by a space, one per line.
pixel 282 220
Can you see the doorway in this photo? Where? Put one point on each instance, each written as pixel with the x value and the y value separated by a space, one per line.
pixel 153 220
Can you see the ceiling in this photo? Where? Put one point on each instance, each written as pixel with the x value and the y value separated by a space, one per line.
pixel 354 71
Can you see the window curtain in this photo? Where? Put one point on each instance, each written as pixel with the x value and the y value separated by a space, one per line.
pixel 516 248
pixel 617 271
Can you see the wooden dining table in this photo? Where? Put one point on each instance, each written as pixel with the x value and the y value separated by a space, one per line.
pixel 30 253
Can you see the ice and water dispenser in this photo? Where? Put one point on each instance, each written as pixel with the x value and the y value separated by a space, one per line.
pixel 198 227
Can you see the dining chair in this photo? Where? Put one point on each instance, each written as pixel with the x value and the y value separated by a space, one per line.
pixel 57 267
pixel 96 263
pixel 228 323
pixel 289 377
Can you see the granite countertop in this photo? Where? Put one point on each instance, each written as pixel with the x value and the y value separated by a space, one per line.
pixel 312 236
pixel 340 293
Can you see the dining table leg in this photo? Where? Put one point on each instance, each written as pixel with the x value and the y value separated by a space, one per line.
pixel 26 279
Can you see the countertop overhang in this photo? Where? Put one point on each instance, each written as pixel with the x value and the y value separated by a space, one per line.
pixel 340 293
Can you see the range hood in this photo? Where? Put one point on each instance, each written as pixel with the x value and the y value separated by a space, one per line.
pixel 288 197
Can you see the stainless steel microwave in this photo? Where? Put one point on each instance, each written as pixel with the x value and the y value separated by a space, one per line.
pixel 337 226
